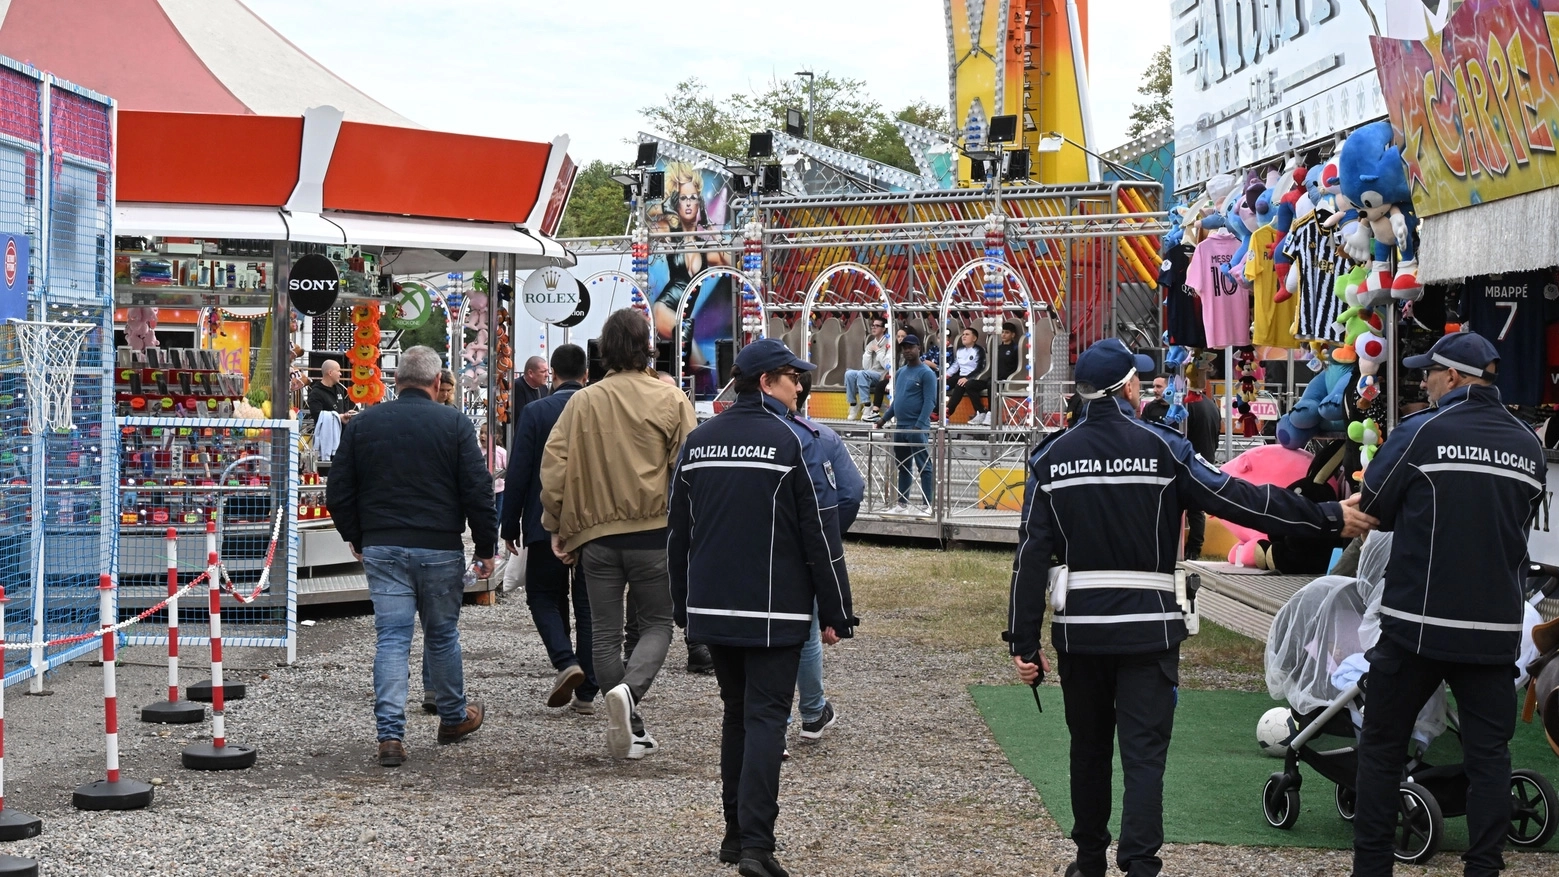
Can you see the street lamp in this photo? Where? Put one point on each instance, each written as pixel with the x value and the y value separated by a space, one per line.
pixel 811 101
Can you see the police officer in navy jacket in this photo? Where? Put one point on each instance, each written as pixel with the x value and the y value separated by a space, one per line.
pixel 748 554
pixel 1104 500
pixel 1459 484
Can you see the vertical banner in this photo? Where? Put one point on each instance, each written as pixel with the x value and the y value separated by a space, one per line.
pixel 695 201
pixel 15 250
pixel 232 344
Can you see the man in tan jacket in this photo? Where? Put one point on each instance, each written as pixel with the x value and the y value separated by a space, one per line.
pixel 605 476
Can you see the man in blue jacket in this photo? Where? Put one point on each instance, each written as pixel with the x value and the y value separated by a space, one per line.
pixel 1103 502
pixel 914 398
pixel 1459 484
pixel 840 487
pixel 749 556
pixel 548 582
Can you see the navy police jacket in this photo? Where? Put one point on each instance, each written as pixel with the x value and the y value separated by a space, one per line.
pixel 1458 484
pixel 748 550
pixel 1105 497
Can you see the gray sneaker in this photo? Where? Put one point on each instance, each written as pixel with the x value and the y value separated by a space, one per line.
pixel 582 707
pixel 563 685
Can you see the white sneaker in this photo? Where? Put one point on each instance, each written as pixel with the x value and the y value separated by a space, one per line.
pixel 643 744
pixel 855 413
pixel 619 721
pixel 921 511
pixel 900 509
pixel 869 412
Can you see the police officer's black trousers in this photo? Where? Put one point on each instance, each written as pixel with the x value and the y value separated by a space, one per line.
pixel 757 686
pixel 1133 695
pixel 1400 682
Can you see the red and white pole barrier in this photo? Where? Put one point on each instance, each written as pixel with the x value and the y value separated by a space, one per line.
pixel 217 755
pixel 173 711
pixel 113 793
pixel 14 825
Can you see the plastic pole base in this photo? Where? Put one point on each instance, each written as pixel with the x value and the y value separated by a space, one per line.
pixel 174 712
pixel 16 825
pixel 18 866
pixel 206 756
pixel 201 691
pixel 104 795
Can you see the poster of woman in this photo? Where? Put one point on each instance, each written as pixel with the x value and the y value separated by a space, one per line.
pixel 696 201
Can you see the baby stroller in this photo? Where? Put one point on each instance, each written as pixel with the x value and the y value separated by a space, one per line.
pixel 1315 661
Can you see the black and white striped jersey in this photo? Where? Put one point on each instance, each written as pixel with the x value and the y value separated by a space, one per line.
pixel 1318 260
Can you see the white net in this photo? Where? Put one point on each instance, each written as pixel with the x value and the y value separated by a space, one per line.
pixel 49 352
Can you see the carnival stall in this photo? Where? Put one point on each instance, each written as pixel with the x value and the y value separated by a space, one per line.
pixel 265 214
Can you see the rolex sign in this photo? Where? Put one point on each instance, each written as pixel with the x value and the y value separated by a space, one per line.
pixel 551 295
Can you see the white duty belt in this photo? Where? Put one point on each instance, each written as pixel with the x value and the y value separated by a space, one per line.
pixel 1063 580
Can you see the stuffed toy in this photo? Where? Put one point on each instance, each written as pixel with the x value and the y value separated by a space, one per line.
pixel 1283 220
pixel 141 328
pixel 1250 375
pixel 1370 349
pixel 1267 464
pixel 1239 217
pixel 367 386
pixel 1373 177
pixel 1357 319
pixel 1319 410
pixel 1366 434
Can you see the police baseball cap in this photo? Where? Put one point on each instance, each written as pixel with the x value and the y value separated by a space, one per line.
pixel 910 341
pixel 1466 352
pixel 768 354
pixel 1107 365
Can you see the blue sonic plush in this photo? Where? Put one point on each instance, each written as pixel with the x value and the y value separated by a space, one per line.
pixel 1373 178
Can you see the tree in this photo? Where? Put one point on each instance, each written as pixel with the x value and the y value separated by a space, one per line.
pixel 846 117
pixel 1158 111
pixel 596 207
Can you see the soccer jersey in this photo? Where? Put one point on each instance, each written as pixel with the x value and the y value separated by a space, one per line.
pixel 1317 262
pixel 1511 311
pixel 1183 319
pixel 1274 323
pixel 1225 306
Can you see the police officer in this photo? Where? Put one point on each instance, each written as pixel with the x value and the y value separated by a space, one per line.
pixel 1458 483
pixel 1103 502
pixel 749 554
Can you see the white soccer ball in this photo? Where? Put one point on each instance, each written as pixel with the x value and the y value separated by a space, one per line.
pixel 1275 729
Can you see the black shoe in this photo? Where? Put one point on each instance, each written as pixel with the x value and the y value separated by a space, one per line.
pixel 1075 870
pixel 428 704
pixel 731 846
pixel 759 863
pixel 699 660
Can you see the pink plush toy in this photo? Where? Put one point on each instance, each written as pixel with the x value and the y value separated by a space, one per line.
pixel 1268 464
pixel 140 328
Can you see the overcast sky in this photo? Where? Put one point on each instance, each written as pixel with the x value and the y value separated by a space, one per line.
pixel 532 69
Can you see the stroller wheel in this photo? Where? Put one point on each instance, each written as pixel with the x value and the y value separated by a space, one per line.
pixel 1533 806
pixel 1420 825
pixel 1346 799
pixel 1281 809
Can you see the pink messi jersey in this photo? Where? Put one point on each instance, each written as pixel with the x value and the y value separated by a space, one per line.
pixel 1225 305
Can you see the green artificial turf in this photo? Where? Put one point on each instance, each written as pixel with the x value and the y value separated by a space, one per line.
pixel 1213 782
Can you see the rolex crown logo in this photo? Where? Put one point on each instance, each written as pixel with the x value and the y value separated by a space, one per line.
pixel 550 280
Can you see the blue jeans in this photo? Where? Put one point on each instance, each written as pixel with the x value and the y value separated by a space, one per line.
pixel 809 676
pixel 858 385
pixel 547 586
pixel 405 583
pixel 909 448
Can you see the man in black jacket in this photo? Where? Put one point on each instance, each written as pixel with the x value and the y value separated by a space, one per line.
pixel 1103 501
pixel 531 387
pixel 328 393
pixel 744 575
pixel 548 581
pixel 407 529
pixel 1459 484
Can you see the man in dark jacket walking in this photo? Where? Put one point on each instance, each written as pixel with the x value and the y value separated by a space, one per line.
pixel 548 581
pixel 1459 484
pixel 744 575
pixel 531 387
pixel 407 531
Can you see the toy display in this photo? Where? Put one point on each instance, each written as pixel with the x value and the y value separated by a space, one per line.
pixel 367 383
pixel 1373 177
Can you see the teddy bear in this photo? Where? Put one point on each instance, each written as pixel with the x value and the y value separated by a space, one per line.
pixel 1373 177
pixel 141 328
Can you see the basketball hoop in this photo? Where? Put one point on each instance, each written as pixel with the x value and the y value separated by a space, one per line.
pixel 49 353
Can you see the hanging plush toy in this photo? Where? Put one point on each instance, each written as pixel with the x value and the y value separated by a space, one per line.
pixel 141 328
pixel 1283 221
pixel 1357 319
pixel 367 381
pixel 1249 374
pixel 1366 434
pixel 1371 351
pixel 503 353
pixel 1373 178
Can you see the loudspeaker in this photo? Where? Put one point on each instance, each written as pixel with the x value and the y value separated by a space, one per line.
pixel 760 144
pixel 1017 165
pixel 655 184
pixel 1003 129
pixel 771 179
pixel 725 359
pixel 663 353
pixel 593 354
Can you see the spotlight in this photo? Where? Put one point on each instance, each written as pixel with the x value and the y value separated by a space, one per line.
pixel 795 126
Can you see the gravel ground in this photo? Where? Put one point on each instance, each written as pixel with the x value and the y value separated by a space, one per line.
pixel 908 782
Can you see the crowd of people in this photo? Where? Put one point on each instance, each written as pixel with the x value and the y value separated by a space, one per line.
pixel 636 519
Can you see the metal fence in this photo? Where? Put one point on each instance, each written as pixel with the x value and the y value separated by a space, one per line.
pixel 57 531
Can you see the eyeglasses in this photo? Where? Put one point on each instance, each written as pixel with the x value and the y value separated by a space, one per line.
pixel 789 373
pixel 689 199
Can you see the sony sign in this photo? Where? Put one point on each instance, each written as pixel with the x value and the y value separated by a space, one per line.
pixel 1256 78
